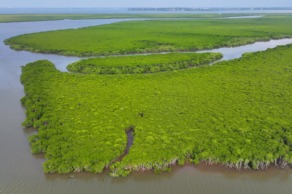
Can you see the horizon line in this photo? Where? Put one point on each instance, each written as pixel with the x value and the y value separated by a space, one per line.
pixel 204 7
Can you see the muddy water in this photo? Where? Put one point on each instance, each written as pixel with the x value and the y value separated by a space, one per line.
pixel 21 172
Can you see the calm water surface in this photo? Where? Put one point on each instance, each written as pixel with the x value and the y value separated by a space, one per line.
pixel 21 172
pixel 230 53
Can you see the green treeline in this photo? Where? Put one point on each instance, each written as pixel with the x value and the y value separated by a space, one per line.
pixel 46 17
pixel 142 64
pixel 236 113
pixel 155 36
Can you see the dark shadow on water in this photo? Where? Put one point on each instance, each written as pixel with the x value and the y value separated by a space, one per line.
pixel 30 131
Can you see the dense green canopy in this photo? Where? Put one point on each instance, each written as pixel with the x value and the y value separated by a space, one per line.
pixel 236 113
pixel 155 36
pixel 143 64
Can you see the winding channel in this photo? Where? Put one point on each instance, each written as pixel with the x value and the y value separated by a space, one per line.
pixel 21 172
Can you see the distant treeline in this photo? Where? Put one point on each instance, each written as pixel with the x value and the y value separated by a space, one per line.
pixel 155 36
pixel 206 9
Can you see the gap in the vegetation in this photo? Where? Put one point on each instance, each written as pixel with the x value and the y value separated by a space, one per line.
pixel 130 139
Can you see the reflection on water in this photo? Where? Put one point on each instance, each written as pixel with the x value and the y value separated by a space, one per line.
pixel 228 173
pixel 21 172
pixel 188 179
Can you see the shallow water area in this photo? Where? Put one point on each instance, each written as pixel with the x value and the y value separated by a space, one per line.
pixel 21 172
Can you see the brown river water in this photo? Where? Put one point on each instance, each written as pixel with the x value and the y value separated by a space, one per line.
pixel 21 172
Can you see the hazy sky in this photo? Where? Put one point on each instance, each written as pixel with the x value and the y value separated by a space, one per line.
pixel 145 3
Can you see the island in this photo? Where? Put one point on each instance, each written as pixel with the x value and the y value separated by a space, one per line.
pixel 151 112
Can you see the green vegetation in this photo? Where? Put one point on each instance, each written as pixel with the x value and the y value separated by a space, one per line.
pixel 46 17
pixel 142 64
pixel 236 113
pixel 155 36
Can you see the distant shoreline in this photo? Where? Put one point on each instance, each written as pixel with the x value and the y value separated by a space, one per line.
pixel 209 9
pixel 143 10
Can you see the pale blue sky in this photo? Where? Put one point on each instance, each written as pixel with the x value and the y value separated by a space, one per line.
pixel 144 3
